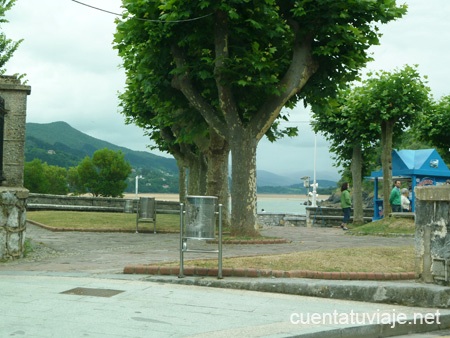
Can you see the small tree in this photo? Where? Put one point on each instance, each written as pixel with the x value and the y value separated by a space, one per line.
pixel 395 100
pixel 103 175
pixel 350 132
pixel 39 177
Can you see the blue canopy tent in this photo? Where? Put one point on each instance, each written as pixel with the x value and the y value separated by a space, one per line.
pixel 420 167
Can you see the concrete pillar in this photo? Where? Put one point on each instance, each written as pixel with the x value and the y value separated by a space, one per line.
pixel 432 237
pixel 13 196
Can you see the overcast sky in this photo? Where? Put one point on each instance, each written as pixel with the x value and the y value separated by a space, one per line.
pixel 74 73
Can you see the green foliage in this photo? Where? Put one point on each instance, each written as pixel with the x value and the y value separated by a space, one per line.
pixel 104 174
pixel 435 125
pixel 39 177
pixel 59 144
pixel 261 37
pixel 7 46
pixel 353 117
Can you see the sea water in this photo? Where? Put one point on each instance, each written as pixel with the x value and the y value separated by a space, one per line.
pixel 282 204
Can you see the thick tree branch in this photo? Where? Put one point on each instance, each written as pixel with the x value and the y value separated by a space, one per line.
pixel 183 83
pixel 226 97
pixel 300 70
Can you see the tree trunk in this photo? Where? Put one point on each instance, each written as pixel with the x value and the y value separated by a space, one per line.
pixel 356 167
pixel 387 129
pixel 217 177
pixel 182 181
pixel 197 175
pixel 243 184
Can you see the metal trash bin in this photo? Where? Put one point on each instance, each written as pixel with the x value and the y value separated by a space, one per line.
pixel 146 212
pixel 200 219
pixel 128 207
pixel 198 222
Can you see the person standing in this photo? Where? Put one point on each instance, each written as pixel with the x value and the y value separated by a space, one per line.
pixel 346 204
pixel 406 204
pixel 395 197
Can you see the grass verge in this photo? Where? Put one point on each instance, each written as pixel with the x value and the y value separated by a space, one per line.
pixel 386 227
pixel 102 220
pixel 366 259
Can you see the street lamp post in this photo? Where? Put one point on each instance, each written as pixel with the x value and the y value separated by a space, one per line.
pixel 306 184
pixel 137 183
pixel 313 203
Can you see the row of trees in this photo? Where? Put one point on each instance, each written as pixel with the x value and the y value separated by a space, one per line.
pixel 104 174
pixel 208 77
pixel 365 119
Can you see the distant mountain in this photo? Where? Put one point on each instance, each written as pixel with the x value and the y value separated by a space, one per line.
pixel 269 179
pixel 59 144
pixel 266 178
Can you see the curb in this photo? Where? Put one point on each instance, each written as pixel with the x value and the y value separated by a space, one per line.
pixel 406 293
pixel 196 271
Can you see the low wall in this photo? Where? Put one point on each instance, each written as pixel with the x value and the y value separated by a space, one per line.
pixel 280 219
pixel 84 203
pixel 315 217
pixel 331 216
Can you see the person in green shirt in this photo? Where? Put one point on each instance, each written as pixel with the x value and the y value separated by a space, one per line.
pixel 395 198
pixel 346 205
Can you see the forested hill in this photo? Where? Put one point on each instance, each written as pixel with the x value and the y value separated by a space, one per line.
pixel 57 143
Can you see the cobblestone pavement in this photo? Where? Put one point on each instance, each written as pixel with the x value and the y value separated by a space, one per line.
pixel 110 252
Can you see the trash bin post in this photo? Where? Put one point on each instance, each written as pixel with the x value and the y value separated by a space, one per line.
pixel 220 242
pixel 181 274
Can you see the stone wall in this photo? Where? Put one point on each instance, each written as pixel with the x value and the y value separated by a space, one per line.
pixel 280 219
pixel 315 217
pixel 89 203
pixel 12 222
pixel 432 236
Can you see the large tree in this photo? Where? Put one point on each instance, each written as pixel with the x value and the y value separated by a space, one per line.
pixel 238 63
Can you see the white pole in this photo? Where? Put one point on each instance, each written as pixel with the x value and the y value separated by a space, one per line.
pixel 137 183
pixel 314 204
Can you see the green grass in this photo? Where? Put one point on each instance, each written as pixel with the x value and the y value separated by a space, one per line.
pixel 102 220
pixel 386 227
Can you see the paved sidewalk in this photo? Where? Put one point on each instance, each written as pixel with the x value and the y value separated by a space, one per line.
pixel 80 306
pixel 76 288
